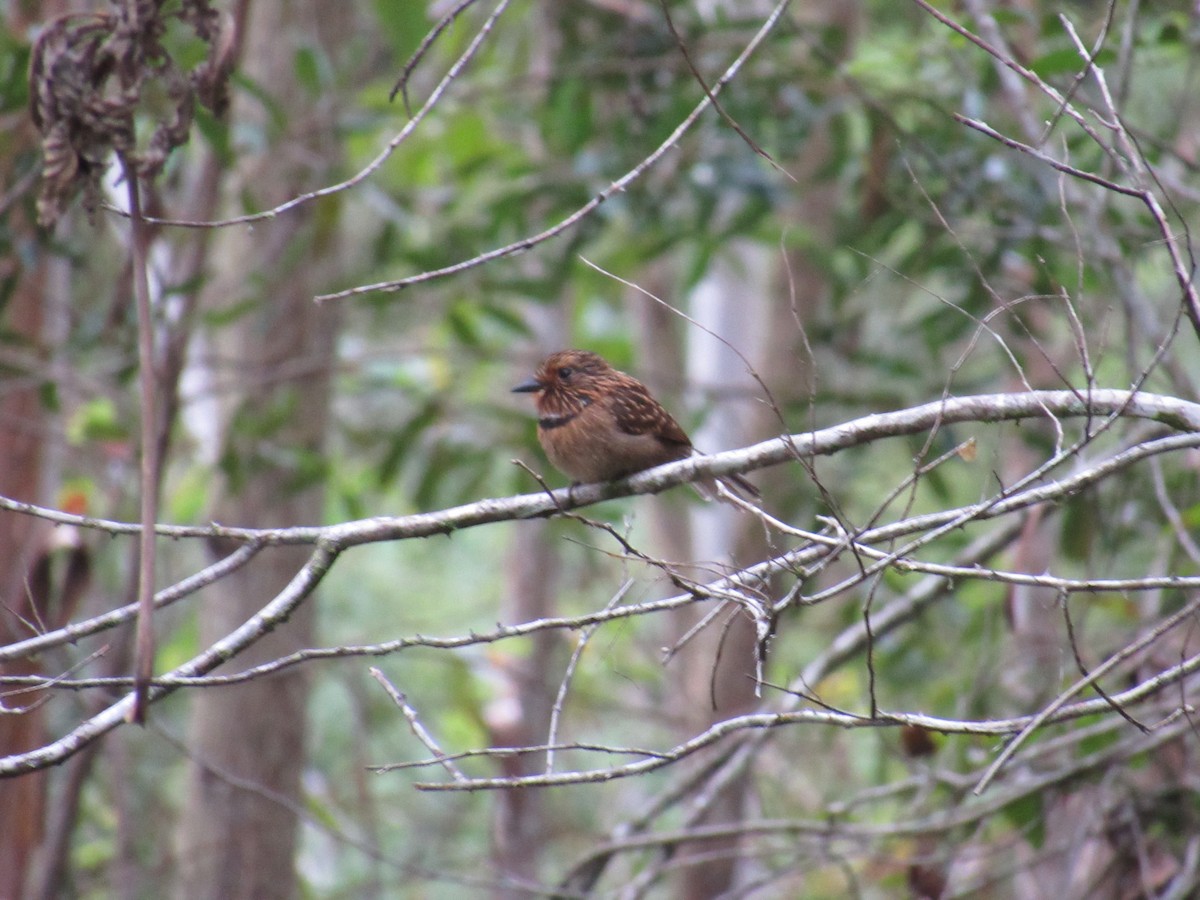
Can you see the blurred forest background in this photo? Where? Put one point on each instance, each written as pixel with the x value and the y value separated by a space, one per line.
pixel 951 657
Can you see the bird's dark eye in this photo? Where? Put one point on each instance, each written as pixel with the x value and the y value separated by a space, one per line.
pixel 565 372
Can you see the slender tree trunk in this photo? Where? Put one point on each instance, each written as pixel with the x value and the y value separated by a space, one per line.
pixel 238 834
pixel 716 673
pixel 28 599
pixel 22 422
pixel 519 714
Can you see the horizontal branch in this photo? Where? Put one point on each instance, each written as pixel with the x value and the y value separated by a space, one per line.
pixel 836 826
pixel 837 718
pixel 573 623
pixel 1171 412
pixel 331 540
pixel 817 548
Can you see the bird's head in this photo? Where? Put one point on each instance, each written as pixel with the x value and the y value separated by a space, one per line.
pixel 567 381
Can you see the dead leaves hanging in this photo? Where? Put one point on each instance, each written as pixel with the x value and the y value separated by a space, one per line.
pixel 93 74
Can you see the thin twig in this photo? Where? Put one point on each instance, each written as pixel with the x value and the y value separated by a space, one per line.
pixel 729 120
pixel 414 722
pixel 375 164
pixel 1058 165
pixel 1184 269
pixel 147 375
pixel 770 721
pixel 527 243
pixel 401 86
pixel 500 753
pixel 186 587
pixel 560 698
pixel 1047 714
pixel 1065 599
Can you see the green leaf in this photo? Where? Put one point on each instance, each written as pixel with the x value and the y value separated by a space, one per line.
pixel 568 121
pixel 96 420
pixel 1065 61
pixel 312 69
pixel 1027 817
pixel 404 22
pixel 309 468
pixel 1080 520
pixel 506 318
pixel 461 321
pixel 14 73
pixel 403 445
pixel 48 394
pixel 189 497
pixel 227 315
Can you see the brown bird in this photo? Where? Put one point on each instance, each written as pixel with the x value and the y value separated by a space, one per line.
pixel 598 424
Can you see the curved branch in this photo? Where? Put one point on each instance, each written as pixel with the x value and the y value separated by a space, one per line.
pixel 370 168
pixel 616 187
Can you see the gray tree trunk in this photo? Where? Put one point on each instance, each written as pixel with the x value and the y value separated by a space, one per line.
pixel 237 836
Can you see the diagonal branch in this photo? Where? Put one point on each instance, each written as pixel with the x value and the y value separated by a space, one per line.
pixel 588 208
pixel 272 615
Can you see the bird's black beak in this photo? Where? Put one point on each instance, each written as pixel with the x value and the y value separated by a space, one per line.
pixel 528 386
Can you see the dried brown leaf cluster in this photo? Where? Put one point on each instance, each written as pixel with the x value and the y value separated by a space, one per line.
pixel 93 74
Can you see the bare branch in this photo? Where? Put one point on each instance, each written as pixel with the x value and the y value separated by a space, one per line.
pixel 1171 412
pixel 616 187
pixel 1053 707
pixel 373 166
pixel 767 721
pixel 414 722
pixel 275 612
pixel 401 85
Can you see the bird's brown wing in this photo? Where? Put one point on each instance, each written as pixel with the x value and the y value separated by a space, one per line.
pixel 636 412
